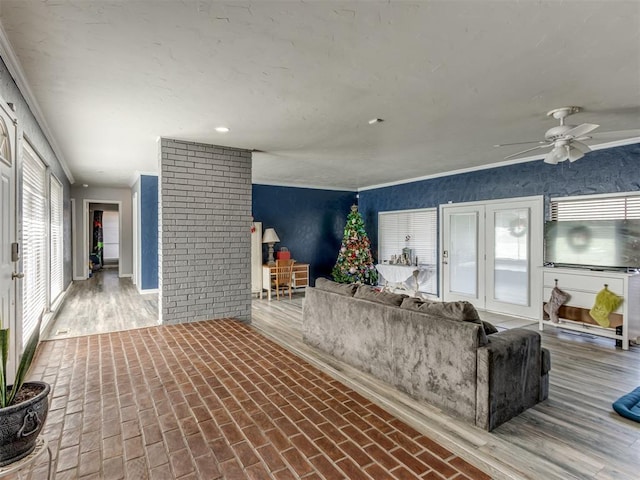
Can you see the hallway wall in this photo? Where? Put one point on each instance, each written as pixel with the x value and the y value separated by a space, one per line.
pixel 28 127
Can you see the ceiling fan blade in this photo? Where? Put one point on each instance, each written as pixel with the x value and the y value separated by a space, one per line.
pixel 518 143
pixel 581 130
pixel 574 153
pixel 528 150
pixel 580 146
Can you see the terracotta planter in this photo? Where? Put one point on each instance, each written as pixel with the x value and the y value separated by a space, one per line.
pixel 21 424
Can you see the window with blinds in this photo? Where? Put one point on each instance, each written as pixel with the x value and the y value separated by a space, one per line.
pixel 35 240
pixel 414 229
pixel 609 207
pixel 111 235
pixel 56 260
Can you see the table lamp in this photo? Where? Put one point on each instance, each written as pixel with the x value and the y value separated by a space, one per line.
pixel 270 237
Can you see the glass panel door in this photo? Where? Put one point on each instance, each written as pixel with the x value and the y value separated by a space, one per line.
pixel 514 250
pixel 462 258
pixel 511 256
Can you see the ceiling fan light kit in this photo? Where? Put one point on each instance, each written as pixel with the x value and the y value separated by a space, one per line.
pixel 565 139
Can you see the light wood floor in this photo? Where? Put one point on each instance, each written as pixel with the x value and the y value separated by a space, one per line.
pixel 103 303
pixel 573 435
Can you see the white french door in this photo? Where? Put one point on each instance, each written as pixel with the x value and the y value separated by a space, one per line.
pixel 491 253
pixel 8 237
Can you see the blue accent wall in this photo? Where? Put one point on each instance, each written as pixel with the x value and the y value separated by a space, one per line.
pixel 149 232
pixel 602 171
pixel 309 222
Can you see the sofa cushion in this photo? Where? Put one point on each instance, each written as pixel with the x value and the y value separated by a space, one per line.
pixel 489 329
pixel 629 405
pixel 461 311
pixel 347 289
pixel 366 292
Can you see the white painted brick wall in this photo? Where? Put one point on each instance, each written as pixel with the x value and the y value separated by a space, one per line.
pixel 205 222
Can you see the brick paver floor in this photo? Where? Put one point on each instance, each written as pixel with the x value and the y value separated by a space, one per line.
pixel 212 400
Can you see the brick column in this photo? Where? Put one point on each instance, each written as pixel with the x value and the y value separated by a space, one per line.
pixel 205 221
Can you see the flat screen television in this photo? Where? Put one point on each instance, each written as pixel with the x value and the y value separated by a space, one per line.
pixel 601 244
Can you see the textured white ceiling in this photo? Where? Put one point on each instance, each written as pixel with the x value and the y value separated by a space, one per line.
pixel 299 81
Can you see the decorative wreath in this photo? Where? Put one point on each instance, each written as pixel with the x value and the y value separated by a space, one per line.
pixel 579 238
pixel 518 227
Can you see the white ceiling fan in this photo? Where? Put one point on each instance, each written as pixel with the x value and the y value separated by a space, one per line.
pixel 565 139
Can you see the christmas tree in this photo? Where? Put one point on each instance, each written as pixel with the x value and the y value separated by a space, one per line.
pixel 355 263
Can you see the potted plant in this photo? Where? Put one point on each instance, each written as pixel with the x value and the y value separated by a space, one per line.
pixel 23 406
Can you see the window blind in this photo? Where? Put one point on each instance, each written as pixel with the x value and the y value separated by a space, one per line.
pixel 414 229
pixel 35 240
pixel 57 281
pixel 615 207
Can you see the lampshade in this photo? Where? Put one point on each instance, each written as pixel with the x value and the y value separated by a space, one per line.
pixel 270 236
pixel 558 154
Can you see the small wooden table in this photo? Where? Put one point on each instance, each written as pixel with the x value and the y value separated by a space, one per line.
pixel 300 277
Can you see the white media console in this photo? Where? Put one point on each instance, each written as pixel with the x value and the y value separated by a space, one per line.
pixel 583 285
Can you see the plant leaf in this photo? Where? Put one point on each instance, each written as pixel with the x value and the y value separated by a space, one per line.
pixel 4 350
pixel 25 361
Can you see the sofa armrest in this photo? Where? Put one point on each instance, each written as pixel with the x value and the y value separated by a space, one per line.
pixel 544 374
pixel 509 378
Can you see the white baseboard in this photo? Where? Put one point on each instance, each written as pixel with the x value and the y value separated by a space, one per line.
pixel 148 290
pixel 126 275
pixel 79 278
pixel 49 317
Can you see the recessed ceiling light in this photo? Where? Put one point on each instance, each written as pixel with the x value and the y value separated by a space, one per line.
pixel 85 185
pixel 222 129
pixel 375 120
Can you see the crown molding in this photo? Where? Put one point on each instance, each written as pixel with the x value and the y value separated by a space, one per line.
pixel 601 146
pixel 268 183
pixel 15 69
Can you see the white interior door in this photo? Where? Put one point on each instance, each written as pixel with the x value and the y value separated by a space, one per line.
pixel 8 262
pixel 491 252
pixel 463 254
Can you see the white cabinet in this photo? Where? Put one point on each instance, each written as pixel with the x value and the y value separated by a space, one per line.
pixel 256 258
pixel 583 286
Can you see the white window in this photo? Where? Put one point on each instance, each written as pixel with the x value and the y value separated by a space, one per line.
pixel 416 230
pixel 57 268
pixel 35 240
pixel 596 207
pixel 111 235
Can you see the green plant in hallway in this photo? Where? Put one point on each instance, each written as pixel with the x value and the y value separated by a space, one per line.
pixel 355 262
pixel 23 405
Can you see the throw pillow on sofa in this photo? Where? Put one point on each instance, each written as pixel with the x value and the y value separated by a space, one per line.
pixel 462 310
pixel 347 289
pixel 366 292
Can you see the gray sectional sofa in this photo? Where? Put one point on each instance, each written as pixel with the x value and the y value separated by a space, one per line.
pixel 434 351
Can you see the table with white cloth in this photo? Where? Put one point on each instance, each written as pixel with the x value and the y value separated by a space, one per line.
pixel 405 277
